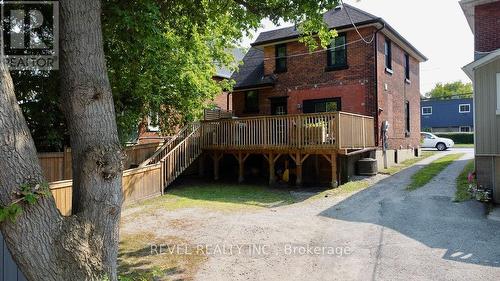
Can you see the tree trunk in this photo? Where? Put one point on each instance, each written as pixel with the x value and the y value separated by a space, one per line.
pixel 45 245
pixel 87 103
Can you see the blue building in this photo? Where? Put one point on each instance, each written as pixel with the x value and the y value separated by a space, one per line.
pixel 447 115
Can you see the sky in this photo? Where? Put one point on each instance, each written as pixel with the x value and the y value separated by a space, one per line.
pixel 437 28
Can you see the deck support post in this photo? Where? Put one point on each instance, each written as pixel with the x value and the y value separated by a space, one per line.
pixel 299 160
pixel 272 172
pixel 272 158
pixel 217 156
pixel 241 162
pixel 333 162
pixel 335 182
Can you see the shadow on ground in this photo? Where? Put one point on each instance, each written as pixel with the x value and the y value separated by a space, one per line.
pixel 427 215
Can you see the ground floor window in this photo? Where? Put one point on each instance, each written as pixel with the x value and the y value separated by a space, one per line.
pixel 322 105
pixel 465 129
pixel 407 118
pixel 251 102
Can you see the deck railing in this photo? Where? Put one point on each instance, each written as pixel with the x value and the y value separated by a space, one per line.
pixel 337 130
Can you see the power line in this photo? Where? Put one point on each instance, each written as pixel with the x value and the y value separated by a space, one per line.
pixel 355 27
pixel 313 52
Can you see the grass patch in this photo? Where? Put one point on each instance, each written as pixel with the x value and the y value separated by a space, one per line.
pixel 426 174
pixel 410 162
pixel 344 189
pixel 461 145
pixel 137 262
pixel 220 197
pixel 462 194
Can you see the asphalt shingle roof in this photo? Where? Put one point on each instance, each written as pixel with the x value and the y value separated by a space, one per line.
pixel 251 73
pixel 334 19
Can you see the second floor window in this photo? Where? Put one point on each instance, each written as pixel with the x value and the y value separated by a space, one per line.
pixel 407 67
pixel 388 54
pixel 337 52
pixel 252 102
pixel 281 59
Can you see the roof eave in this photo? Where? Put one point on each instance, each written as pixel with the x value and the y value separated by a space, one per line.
pixel 471 67
pixel 417 53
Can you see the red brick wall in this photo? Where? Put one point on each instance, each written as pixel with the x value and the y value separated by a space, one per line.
pixel 487 27
pixel 306 78
pixel 393 90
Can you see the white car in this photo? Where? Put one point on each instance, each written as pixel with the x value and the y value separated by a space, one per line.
pixel 432 141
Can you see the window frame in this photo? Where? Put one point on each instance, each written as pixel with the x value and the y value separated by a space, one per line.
pixel 153 122
pixel 332 53
pixel 426 107
pixel 460 108
pixel 407 118
pixel 468 127
pixel 407 67
pixel 247 108
pixel 280 58
pixel 388 55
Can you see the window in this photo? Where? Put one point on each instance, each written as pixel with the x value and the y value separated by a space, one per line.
pixel 407 118
pixel 407 67
pixel 153 122
pixel 464 108
pixel 251 102
pixel 337 53
pixel 281 59
pixel 498 93
pixel 388 55
pixel 427 110
pixel 465 129
pixel 322 105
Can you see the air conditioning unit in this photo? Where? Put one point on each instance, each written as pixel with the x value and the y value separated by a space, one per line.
pixel 367 167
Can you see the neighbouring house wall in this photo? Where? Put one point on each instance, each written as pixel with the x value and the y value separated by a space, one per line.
pixel 487 121
pixel 392 93
pixel 306 78
pixel 445 115
pixel 487 128
pixel 487 21
pixel 8 268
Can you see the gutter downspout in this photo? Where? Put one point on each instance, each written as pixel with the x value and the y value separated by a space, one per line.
pixel 377 112
pixel 375 53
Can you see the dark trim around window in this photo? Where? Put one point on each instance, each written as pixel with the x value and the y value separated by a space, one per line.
pixel 407 67
pixel 388 55
pixel 251 102
pixel 407 119
pixel 281 58
pixel 336 55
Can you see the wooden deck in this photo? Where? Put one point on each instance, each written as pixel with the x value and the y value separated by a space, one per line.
pixel 298 136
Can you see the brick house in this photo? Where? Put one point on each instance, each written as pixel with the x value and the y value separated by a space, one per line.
pixel 378 78
pixel 484 19
pixel 148 132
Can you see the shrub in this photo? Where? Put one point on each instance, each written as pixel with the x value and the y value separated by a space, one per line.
pixel 458 138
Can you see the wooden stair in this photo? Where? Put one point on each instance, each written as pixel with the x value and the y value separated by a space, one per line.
pixel 178 153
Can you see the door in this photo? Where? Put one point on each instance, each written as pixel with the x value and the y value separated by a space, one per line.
pixel 279 106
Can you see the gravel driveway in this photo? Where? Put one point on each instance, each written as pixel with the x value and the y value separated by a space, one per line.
pixel 381 233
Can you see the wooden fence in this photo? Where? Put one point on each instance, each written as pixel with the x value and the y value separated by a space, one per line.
pixel 137 184
pixel 56 166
